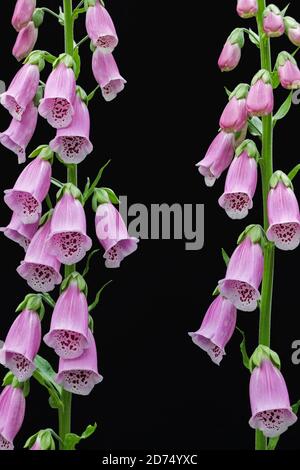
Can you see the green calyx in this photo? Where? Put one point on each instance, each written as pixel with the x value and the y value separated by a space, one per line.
pixel 279 176
pixel 262 353
pixel 38 17
pixel 282 58
pixel 248 146
pixel 237 37
pixel 263 75
pixel 82 94
pixel 240 92
pixel 290 23
pixel 89 3
pixel 38 96
pixel 74 278
pixel 44 152
pixel 71 189
pixel 44 438
pixel 255 233
pixel 272 9
pixel 36 58
pixel 104 196
pixel 34 303
pixel 65 59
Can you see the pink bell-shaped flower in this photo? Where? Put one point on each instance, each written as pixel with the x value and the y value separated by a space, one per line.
pixel 23 13
pixel 107 75
pixel 12 412
pixel 25 41
pixel 288 71
pixel 100 27
pixel 247 8
pixel 19 232
pixel 231 52
pixel 273 24
pixel 234 117
pixel 292 28
pixel 260 100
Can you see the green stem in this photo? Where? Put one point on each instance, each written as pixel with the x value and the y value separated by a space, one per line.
pixel 64 414
pixel 81 41
pixel 47 10
pixel 266 171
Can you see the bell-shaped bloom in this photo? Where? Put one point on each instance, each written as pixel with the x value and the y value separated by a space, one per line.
pixel 240 186
pixel 260 100
pixel 80 375
pixel 107 75
pixel 229 57
pixel 273 24
pixel 113 235
pixel 73 143
pixel 67 240
pixel 22 344
pixel 40 269
pixel 234 116
pixel 284 218
pixel 217 328
pixel 23 13
pixel 218 157
pixel 270 404
pixel 29 191
pixel 12 412
pixel 100 28
pixel 19 232
pixel 243 276
pixel 60 90
pixel 68 334
pixel 21 91
pixel 288 71
pixel 292 28
pixel 247 8
pixel 19 133
pixel 25 41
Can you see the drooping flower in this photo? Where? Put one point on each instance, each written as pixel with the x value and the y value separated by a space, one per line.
pixel 100 28
pixel 68 334
pixel 241 181
pixel 12 412
pixel 42 440
pixel 80 375
pixel 23 13
pixel 292 28
pixel 19 232
pixel 247 8
pixel 67 240
pixel 19 133
pixel 244 272
pixel 260 100
pixel 283 213
pixel 273 24
pixel 25 41
pixel 218 157
pixel 234 116
pixel 60 90
pixel 288 71
pixel 40 269
pixel 107 75
pixel 231 52
pixel 29 191
pixel 73 143
pixel 217 328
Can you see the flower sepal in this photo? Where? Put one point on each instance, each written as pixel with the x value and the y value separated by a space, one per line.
pixel 280 176
pixel 263 353
pixel 42 440
pixel 255 233
pixel 65 59
pixel 76 278
pixel 34 303
pixel 36 58
pixel 249 146
pixel 38 17
pixel 71 189
pixel 237 37
pixel 240 92
pixel 104 196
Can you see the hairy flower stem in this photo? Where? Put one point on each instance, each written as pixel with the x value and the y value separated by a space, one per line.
pixel 266 171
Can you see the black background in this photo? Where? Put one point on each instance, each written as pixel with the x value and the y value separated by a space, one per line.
pixel 159 390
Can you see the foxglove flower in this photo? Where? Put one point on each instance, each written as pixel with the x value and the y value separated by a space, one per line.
pixel 260 100
pixel 283 213
pixel 22 344
pixel 217 328
pixel 244 275
pixel 270 404
pixel 241 181
pixel 80 375
pixel 69 323
pixel 247 8
pixel 73 143
pixel 23 13
pixel 231 52
pixel 21 91
pixel 60 90
pixel 100 28
pixel 67 240
pixel 25 41
pixel 113 235
pixel 43 440
pixel 273 24
pixel 288 71
pixel 217 158
pixel 292 28
pixel 29 191
pixel 107 75
pixel 234 116
pixel 19 232
pixel 19 133
pixel 40 269
pixel 12 412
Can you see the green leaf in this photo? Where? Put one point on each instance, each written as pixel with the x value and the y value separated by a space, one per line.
pixel 92 94
pixel 87 266
pixel 31 440
pixel 225 257
pixel 37 151
pixel 283 110
pixel 272 443
pixel 296 407
pixel 294 172
pixel 26 388
pixel 254 38
pixel 48 299
pixel 71 439
pixel 283 12
pixel 228 92
pixel 88 194
pixel 245 356
pixel 255 126
pixel 56 182
pixel 98 295
pixel 54 401
pixel 275 79
pixel 8 379
pixel 77 61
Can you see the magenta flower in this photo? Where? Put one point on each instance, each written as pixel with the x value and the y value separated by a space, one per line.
pixel 217 158
pixel 100 28
pixel 19 133
pixel 25 41
pixel 29 191
pixel 107 74
pixel 73 143
pixel 273 23
pixel 241 181
pixel 80 375
pixel 234 116
pixel 244 275
pixel 231 52
pixel 40 269
pixel 22 344
pixel 59 96
pixel 19 232
pixel 283 213
pixel 292 28
pixel 217 328
pixel 113 235
pixel 270 404
pixel 23 13
pixel 21 91
pixel 247 8
pixel 69 324
pixel 260 101
pixel 12 412
pixel 288 71
pixel 67 240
